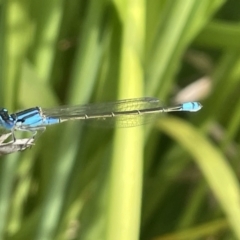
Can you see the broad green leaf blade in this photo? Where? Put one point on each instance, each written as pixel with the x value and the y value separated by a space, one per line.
pixel 213 165
pixel 127 162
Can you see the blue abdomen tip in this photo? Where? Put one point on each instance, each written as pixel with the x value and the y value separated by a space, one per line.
pixel 191 106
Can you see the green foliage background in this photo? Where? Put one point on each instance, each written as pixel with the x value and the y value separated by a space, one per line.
pixel 176 179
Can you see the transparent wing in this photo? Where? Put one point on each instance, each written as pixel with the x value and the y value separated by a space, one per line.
pixel 128 120
pixel 123 121
pixel 121 105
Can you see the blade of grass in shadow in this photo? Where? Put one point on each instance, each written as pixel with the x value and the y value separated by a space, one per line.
pixel 157 185
pixel 219 35
pixel 204 230
pixel 227 65
pixel 49 18
pixel 196 199
pixel 182 21
pixel 232 128
pixel 19 196
pixel 212 164
pixel 14 41
pixel 83 78
pixel 8 167
pixel 31 91
pixel 92 221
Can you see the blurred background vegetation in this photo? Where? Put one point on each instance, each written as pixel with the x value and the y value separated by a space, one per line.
pixel 177 178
